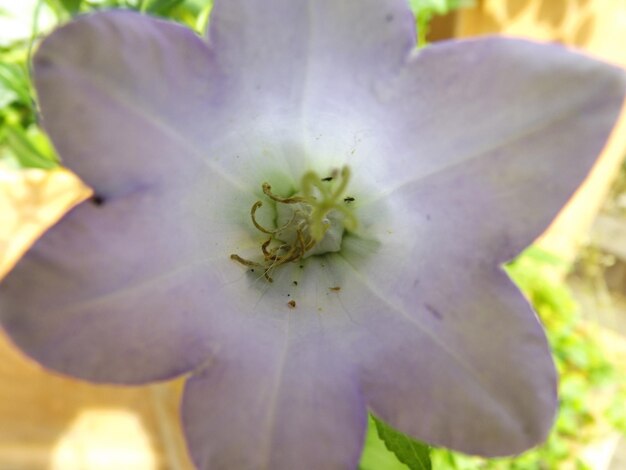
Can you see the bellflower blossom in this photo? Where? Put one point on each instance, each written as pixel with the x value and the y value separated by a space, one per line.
pixel 309 217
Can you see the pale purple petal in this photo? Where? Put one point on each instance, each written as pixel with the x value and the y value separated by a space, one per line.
pixel 449 211
pixel 492 136
pixel 460 156
pixel 446 347
pixel 470 350
pixel 305 71
pixel 120 289
pixel 289 404
pixel 120 94
pixel 282 53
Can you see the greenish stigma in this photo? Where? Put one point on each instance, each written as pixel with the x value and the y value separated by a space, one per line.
pixel 309 223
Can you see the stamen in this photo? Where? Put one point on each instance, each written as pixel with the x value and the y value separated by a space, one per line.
pixel 263 229
pixel 245 262
pixel 267 254
pixel 267 190
pixel 259 227
pixel 309 222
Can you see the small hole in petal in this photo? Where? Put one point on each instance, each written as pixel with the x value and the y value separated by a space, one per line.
pixel 97 200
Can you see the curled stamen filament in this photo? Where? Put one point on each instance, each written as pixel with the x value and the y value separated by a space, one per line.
pixel 308 224
pixel 267 190
pixel 259 227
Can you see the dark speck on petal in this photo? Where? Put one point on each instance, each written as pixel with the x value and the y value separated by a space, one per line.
pixel 98 200
pixel 434 312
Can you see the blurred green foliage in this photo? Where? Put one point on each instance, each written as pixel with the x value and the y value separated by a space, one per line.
pixel 21 140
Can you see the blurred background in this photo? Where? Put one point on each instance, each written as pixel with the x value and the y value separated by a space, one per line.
pixel 575 275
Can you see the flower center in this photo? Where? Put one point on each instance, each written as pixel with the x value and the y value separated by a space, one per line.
pixel 311 222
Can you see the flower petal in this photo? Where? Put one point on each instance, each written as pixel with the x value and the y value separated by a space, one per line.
pixel 496 150
pixel 280 405
pixel 449 350
pixel 485 134
pixel 118 290
pixel 284 52
pixel 121 95
pixel 102 296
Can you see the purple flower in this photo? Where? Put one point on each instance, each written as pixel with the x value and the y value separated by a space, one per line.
pixel 392 183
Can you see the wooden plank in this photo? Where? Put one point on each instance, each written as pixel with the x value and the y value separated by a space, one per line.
pixel 609 234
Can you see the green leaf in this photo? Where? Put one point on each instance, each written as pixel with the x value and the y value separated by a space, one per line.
pixel 160 7
pixel 13 77
pixel 542 255
pixel 203 18
pixel 30 149
pixel 7 96
pixel 57 7
pixel 425 10
pixel 375 455
pixel 437 6
pixel 414 454
pixel 71 5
